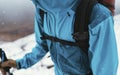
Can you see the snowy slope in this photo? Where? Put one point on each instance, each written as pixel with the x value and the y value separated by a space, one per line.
pixel 117 33
pixel 19 48
pixel 117 6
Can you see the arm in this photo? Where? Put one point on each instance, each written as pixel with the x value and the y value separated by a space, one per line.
pixel 37 52
pixel 103 49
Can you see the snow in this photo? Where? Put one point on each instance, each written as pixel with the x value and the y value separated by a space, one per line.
pixel 19 48
pixel 117 6
pixel 117 33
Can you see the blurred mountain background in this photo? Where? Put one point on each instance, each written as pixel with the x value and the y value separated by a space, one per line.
pixel 16 19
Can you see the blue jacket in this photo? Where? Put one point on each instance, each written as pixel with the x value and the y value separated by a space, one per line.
pixel 71 60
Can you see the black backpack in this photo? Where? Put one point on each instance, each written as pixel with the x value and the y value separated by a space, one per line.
pixel 81 34
pixel 83 13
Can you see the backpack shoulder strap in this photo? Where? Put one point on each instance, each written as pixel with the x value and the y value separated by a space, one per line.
pixel 82 15
pixel 82 18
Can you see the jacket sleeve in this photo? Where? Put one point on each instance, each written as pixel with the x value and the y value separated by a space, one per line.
pixel 103 49
pixel 39 50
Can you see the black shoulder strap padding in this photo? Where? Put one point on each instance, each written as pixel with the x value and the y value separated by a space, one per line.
pixel 82 15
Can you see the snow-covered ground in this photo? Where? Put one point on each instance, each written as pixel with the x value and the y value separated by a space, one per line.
pixel 117 33
pixel 19 48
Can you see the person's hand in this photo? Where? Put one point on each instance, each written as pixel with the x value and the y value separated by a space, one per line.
pixel 3 71
pixel 9 63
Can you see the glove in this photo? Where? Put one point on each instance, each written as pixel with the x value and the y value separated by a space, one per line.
pixel 9 63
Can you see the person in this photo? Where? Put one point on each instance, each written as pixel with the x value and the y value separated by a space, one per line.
pixel 58 21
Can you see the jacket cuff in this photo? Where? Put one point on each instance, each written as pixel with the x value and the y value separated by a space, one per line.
pixel 18 64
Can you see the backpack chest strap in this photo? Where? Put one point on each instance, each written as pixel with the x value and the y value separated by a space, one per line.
pixel 55 39
pixel 82 44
